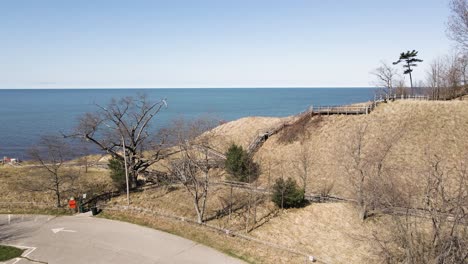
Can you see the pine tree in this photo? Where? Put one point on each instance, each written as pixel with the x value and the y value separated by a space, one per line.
pixel 286 194
pixel 410 59
pixel 240 165
pixel 117 173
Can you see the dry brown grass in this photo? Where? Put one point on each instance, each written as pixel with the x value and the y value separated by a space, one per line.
pixel 14 179
pixel 9 178
pixel 435 127
pixel 330 231
pixel 298 130
pixel 242 131
pixel 175 200
pixel 333 231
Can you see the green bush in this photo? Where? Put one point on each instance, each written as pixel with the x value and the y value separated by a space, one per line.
pixel 117 173
pixel 240 165
pixel 287 194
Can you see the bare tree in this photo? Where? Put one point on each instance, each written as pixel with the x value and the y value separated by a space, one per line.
pixel 367 170
pixel 357 170
pixel 453 77
pixel 435 78
pixel 127 120
pixel 446 200
pixel 401 88
pixel 463 65
pixel 304 165
pixel 457 28
pixel 447 76
pixel 440 233
pixel 84 152
pixel 194 163
pixel 386 78
pixel 52 152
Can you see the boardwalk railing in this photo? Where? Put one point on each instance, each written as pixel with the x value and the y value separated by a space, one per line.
pixel 394 97
pixel 365 108
pixel 210 152
pixel 262 136
pixel 341 110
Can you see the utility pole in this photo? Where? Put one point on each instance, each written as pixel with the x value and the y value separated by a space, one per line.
pixel 126 170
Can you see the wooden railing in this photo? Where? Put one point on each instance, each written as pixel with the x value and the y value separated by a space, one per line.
pixel 395 97
pixel 341 110
pixel 262 136
pixel 365 108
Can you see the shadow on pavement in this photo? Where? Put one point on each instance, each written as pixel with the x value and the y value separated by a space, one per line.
pixel 11 232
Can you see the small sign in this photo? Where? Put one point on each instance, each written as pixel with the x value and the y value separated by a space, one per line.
pixel 84 195
pixel 72 204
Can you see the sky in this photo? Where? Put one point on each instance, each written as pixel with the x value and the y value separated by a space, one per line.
pixel 212 43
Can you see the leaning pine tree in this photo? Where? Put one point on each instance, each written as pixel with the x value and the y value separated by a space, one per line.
pixel 410 60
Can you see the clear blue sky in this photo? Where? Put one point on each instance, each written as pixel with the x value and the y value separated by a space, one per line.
pixel 217 43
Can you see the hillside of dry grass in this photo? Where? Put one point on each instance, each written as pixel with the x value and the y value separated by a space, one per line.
pixel 415 129
pixel 332 231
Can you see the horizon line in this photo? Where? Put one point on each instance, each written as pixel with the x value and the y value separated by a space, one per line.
pixel 244 87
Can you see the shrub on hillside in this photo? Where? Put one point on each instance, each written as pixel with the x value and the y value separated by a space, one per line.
pixel 117 173
pixel 240 165
pixel 298 130
pixel 287 194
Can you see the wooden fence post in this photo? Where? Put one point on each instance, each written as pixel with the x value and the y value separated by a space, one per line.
pixel 230 205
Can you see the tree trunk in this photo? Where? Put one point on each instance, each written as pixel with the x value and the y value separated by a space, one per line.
pixel 57 188
pixel 199 213
pixel 133 178
pixel 411 82
pixel 363 212
pixel 230 204
pixel 57 194
pixel 205 195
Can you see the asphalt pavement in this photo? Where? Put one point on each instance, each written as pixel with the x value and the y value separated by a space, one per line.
pixel 86 239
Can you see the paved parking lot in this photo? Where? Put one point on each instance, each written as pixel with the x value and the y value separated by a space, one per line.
pixel 85 239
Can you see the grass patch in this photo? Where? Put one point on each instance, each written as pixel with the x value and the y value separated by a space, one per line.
pixel 7 252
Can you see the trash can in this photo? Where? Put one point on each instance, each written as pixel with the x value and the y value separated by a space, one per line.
pixel 83 209
pixel 94 210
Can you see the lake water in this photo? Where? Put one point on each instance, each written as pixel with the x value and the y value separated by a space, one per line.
pixel 25 115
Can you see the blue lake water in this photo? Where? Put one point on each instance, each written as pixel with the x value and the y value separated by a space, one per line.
pixel 25 115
